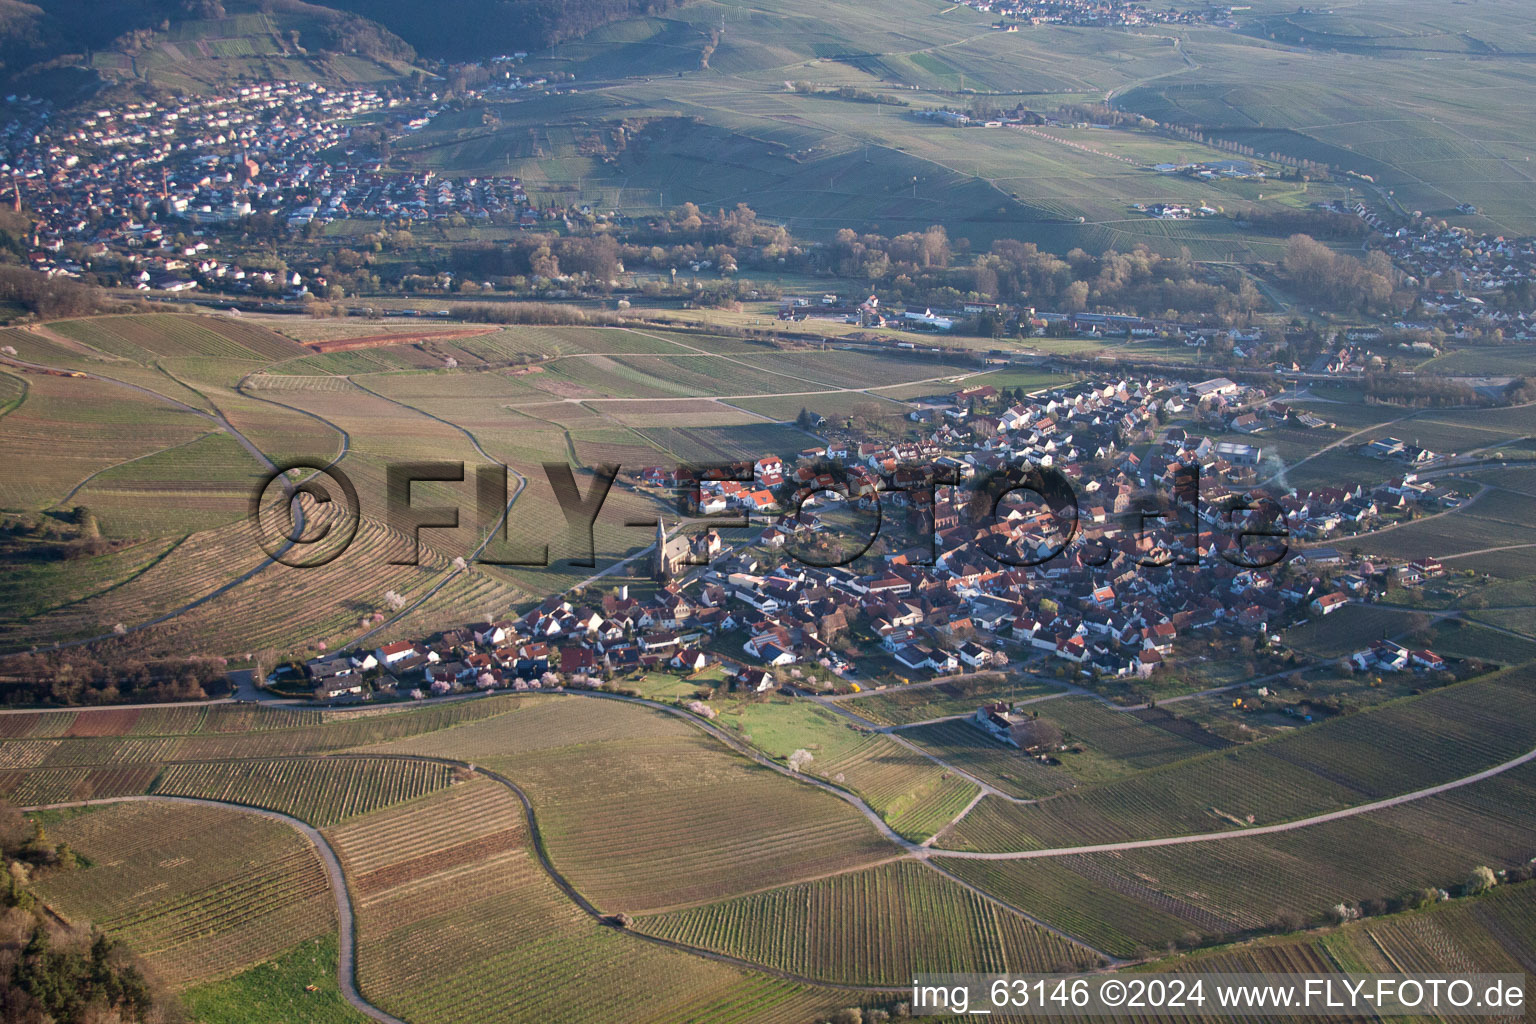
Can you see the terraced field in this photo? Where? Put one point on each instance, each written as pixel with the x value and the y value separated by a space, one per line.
pixel 320 792
pixel 642 811
pixel 199 892
pixel 879 925
pixel 442 885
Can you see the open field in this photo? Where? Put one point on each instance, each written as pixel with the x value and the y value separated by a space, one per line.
pixel 299 983
pixel 201 893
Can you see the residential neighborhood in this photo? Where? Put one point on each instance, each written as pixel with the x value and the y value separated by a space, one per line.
pixel 1115 593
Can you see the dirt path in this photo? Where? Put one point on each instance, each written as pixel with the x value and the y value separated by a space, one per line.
pixel 921 851
pixel 128 462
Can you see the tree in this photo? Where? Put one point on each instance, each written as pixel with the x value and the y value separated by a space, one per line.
pixel 1480 880
pixel 799 759
pixel 1036 733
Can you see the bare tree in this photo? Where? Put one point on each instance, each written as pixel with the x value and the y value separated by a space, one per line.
pixel 1036 733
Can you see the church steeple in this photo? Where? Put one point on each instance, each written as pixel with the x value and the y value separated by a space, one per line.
pixel 659 567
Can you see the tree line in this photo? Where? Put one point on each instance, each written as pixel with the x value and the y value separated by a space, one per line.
pixel 84 676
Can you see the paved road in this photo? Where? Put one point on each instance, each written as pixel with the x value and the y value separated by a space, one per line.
pixel 1245 833
pixel 346 961
pixel 346 966
pixel 915 850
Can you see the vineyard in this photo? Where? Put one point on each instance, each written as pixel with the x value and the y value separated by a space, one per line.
pixel 1252 882
pixel 144 337
pixel 1010 769
pixel 905 705
pixel 456 922
pixel 116 737
pixel 914 795
pixel 70 428
pixel 644 824
pixel 1492 933
pixel 1081 904
pixel 321 792
pixel 537 722
pixel 641 810
pixel 62 785
pixel 1117 734
pixel 878 926
pixel 1407 744
pixel 200 892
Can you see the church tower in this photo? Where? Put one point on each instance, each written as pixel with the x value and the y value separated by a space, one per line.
pixel 672 554
pixel 659 562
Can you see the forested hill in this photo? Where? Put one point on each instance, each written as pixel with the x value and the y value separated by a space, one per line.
pixel 480 28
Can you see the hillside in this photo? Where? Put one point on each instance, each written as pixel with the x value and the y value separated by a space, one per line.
pixel 482 28
pixel 183 45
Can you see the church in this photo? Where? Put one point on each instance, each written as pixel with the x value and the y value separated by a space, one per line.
pixel 672 554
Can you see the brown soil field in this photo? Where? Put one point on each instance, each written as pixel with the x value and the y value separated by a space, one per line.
pixel 397 338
